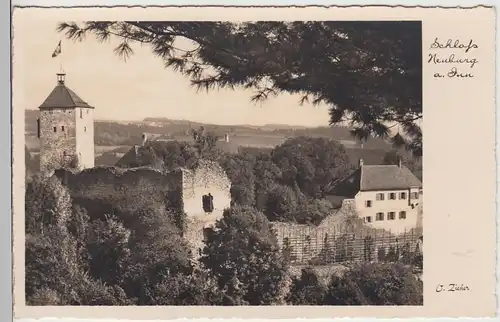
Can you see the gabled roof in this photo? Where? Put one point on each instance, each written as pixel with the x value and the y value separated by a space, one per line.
pixel 63 97
pixel 387 177
pixel 129 159
pixel 374 178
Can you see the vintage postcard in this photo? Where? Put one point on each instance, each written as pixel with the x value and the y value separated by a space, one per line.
pixel 254 162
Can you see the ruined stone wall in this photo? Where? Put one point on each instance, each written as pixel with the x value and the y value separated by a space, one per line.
pixel 126 191
pixel 207 177
pixel 57 138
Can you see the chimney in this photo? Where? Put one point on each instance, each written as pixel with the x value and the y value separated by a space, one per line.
pixel 226 137
pixel 144 138
pixel 399 162
pixel 361 162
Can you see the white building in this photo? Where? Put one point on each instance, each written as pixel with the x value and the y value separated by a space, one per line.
pixel 386 196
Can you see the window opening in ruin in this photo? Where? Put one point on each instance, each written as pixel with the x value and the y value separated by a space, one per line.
pixel 62 128
pixel 55 129
pixel 208 203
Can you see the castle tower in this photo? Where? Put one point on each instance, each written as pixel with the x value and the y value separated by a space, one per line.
pixel 66 130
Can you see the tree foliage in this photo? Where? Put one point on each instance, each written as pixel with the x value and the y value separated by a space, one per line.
pixel 369 73
pixel 242 255
pixel 312 163
pixel 306 289
pixel 375 284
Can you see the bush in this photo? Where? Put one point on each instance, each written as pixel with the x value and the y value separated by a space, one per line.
pixel 376 284
pixel 306 289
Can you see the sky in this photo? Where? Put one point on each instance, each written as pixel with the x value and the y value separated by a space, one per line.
pixel 138 88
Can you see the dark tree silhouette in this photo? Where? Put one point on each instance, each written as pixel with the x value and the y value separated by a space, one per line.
pixel 368 73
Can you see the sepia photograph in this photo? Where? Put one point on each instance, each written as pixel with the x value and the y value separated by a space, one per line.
pixel 316 201
pixel 217 163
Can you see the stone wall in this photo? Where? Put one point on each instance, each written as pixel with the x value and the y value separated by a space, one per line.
pixel 129 191
pixel 207 177
pixel 124 191
pixel 54 142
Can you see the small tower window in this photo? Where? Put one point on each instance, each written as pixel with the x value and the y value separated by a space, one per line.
pixel 62 128
pixel 55 129
pixel 81 113
pixel 84 129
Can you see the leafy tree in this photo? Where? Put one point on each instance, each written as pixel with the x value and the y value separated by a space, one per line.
pixel 239 169
pixel 47 203
pixel 375 284
pixel 306 289
pixel 108 250
pixel 242 255
pixel 205 143
pixel 167 155
pixel 281 203
pixel 368 72
pixel 158 254
pixel 312 211
pixel 54 272
pixel 412 163
pixel 267 176
pixel 312 163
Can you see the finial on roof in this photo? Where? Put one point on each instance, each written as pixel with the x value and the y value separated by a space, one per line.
pixel 61 78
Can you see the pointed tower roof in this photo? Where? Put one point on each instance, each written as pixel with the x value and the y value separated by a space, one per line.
pixel 63 97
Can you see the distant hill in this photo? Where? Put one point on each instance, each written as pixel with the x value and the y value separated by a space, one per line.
pixel 118 133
